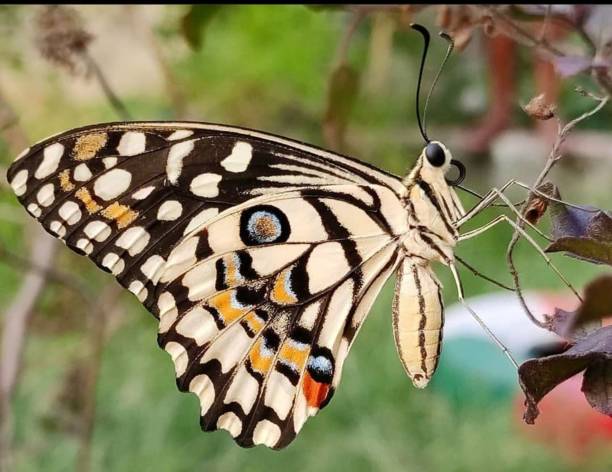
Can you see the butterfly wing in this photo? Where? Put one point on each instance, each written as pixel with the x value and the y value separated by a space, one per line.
pixel 260 255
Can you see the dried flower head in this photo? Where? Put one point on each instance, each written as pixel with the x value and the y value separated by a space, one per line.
pixel 539 108
pixel 62 39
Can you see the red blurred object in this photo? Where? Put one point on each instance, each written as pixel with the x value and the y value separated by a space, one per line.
pixel 567 422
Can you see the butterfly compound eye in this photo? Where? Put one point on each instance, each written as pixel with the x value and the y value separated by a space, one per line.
pixel 435 154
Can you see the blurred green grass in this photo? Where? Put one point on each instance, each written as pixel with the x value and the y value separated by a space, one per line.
pixel 246 75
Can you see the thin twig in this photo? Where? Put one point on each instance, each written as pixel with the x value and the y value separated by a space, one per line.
pixel 345 42
pixel 111 96
pixel 553 158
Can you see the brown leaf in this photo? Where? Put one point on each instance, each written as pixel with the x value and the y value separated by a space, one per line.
pixel 537 204
pixel 592 352
pixel 343 89
pixel 596 305
pixel 582 232
pixel 539 108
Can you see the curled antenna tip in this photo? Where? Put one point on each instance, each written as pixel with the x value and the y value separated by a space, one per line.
pixel 446 36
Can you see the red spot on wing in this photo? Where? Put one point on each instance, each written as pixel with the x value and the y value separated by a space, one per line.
pixel 315 392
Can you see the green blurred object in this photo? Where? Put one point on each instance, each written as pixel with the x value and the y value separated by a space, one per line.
pixel 473 370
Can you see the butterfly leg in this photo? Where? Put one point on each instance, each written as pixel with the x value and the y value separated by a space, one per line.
pixel 478 319
pixel 476 232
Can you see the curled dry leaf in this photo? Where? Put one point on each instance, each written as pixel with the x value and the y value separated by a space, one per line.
pixel 597 304
pixel 582 232
pixel 539 108
pixel 61 38
pixel 592 353
pixel 537 204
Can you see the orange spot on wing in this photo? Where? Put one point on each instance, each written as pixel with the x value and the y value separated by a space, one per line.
pixel 224 305
pixel 255 323
pixel 260 361
pixel 122 214
pixel 315 392
pixel 88 145
pixel 279 292
pixel 65 184
pixel 90 204
pixel 292 354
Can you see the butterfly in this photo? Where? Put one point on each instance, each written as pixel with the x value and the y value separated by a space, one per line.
pixel 259 255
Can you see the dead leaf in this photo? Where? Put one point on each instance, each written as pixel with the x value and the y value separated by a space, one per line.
pixel 537 204
pixel 596 305
pixel 582 232
pixel 539 108
pixel 592 353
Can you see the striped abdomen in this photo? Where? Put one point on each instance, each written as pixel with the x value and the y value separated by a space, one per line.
pixel 417 320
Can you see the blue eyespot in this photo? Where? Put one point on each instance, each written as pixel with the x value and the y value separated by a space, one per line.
pixel 263 224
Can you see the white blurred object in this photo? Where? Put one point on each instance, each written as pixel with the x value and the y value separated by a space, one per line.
pixel 503 314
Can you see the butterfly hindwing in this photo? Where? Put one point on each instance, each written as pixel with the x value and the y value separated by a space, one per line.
pixel 260 256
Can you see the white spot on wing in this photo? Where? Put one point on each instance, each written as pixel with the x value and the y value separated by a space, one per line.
pixel 200 219
pixel 131 143
pixel 174 164
pixel 18 183
pixel 109 162
pixel 134 240
pixel 197 324
pixel 97 230
pixel 179 357
pixel 266 433
pixel 82 173
pixel 85 245
pixel 152 267
pixel 167 311
pixel 70 212
pixel 58 228
pixel 170 210
pixel 180 134
pixel 231 423
pixel 239 159
pixel 205 185
pixel 46 195
pixel 143 193
pixel 203 387
pixel 34 210
pixel 112 184
pixel 113 263
pixel 51 157
pixel 138 289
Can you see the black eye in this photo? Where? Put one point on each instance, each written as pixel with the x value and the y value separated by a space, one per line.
pixel 435 154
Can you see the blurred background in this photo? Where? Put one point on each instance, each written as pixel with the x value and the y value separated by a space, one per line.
pixel 84 384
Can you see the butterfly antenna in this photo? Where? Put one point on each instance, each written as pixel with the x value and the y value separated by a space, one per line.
pixel 451 46
pixel 421 29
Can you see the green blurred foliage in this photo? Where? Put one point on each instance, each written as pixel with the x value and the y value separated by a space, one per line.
pixel 269 68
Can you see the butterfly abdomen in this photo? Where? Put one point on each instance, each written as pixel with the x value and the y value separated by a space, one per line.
pixel 417 320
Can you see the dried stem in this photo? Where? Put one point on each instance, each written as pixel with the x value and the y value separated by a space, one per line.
pixel 97 334
pixel 342 52
pixel 109 93
pixel 554 156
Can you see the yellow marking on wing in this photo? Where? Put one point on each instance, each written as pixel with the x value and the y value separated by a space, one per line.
pixel 279 292
pixel 65 184
pixel 293 354
pixel 88 145
pixel 90 204
pixel 232 275
pixel 223 304
pixel 260 360
pixel 122 214
pixel 255 323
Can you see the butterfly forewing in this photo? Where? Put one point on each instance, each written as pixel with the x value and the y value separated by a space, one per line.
pixel 260 255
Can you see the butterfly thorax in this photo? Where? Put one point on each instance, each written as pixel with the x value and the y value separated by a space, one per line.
pixel 432 208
